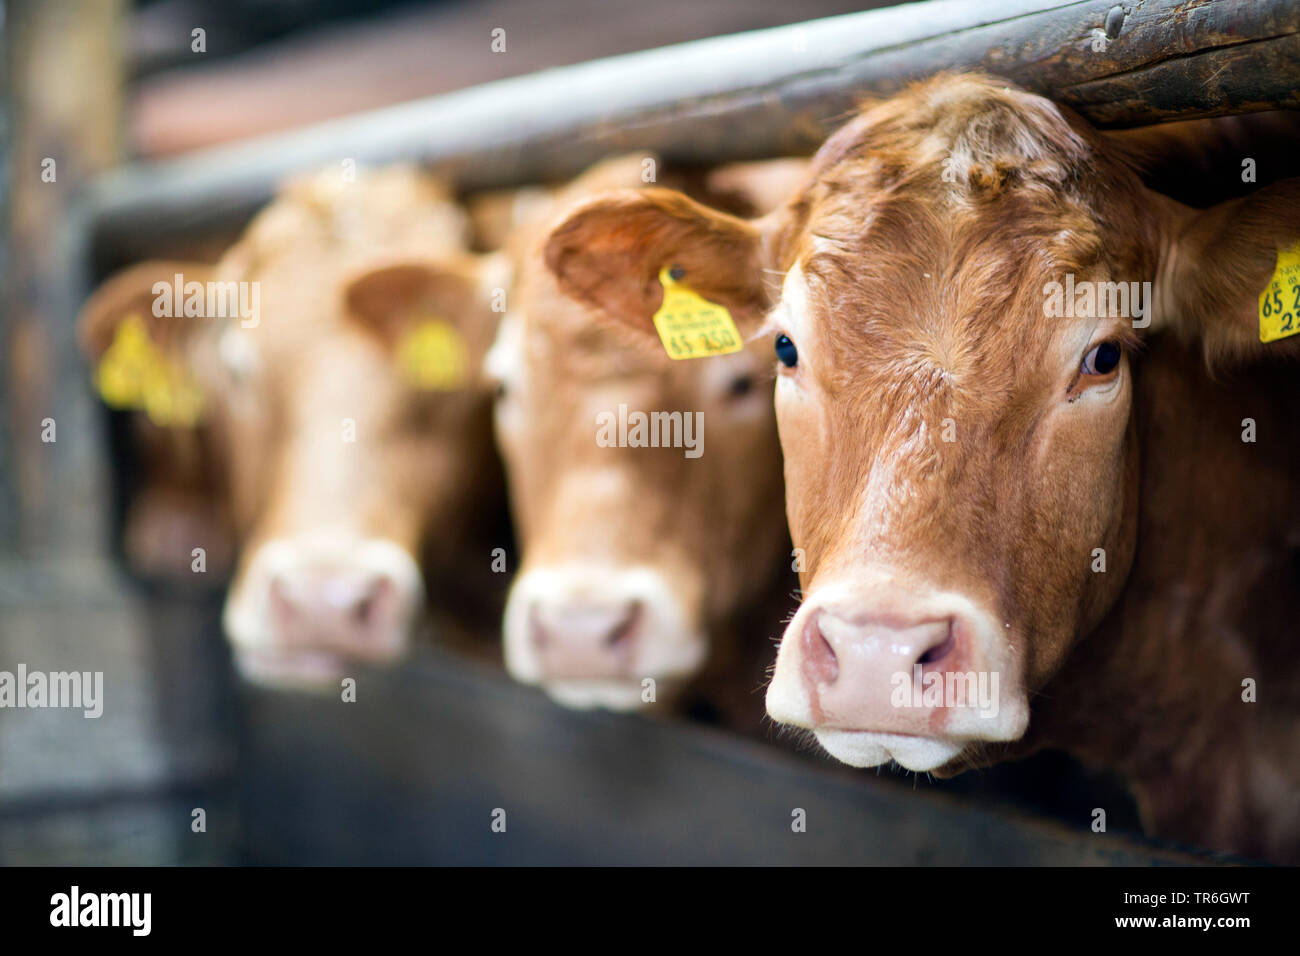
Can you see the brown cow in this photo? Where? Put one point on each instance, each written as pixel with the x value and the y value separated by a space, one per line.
pixel 1028 522
pixel 177 503
pixel 638 563
pixel 335 354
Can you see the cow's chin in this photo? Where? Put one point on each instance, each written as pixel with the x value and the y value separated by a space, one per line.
pixel 865 749
pixel 299 670
pixel 305 670
pixel 618 695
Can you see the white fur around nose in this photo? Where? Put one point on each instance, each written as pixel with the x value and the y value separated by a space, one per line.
pixel 788 700
pixel 505 360
pixel 247 614
pixel 669 644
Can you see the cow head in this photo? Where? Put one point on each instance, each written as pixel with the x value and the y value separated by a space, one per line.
pixel 177 514
pixel 345 399
pixel 631 554
pixel 956 418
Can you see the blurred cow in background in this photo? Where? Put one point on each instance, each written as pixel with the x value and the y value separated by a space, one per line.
pixel 1028 523
pixel 644 569
pixel 327 370
pixel 175 501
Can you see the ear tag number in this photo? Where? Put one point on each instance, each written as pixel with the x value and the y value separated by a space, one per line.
pixel 431 356
pixel 134 374
pixel 691 326
pixel 1279 303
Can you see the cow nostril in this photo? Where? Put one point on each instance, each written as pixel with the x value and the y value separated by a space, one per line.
pixel 281 604
pixel 536 629
pixel 941 650
pixel 362 610
pixel 818 654
pixel 622 632
pixel 369 607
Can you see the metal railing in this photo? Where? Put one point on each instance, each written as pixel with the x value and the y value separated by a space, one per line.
pixel 751 95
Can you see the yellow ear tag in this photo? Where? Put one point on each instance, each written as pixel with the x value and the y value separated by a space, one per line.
pixel 172 399
pixel 1279 303
pixel 134 374
pixel 691 326
pixel 124 365
pixel 431 356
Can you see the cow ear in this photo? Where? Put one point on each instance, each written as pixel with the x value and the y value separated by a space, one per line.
pixel 1230 275
pixel 132 294
pixel 137 331
pixel 438 318
pixel 612 251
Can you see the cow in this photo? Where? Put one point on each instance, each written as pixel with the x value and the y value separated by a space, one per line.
pixel 1028 522
pixel 175 502
pixel 331 362
pixel 641 560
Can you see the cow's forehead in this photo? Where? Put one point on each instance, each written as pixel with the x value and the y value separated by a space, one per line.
pixel 936 290
pixel 980 131
pixel 947 355
pixel 904 267
pixel 952 164
pixel 562 340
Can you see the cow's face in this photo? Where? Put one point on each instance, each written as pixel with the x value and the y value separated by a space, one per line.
pixel 961 469
pixel 361 462
pixel 631 554
pixel 960 460
pixel 968 276
pixel 349 413
pixel 954 396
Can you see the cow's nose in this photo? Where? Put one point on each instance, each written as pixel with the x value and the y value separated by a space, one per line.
pixel 873 643
pixel 345 610
pixel 584 641
pixel 853 668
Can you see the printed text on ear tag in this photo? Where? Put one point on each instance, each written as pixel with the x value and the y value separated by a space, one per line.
pixel 691 326
pixel 431 356
pixel 1279 303
pixel 134 374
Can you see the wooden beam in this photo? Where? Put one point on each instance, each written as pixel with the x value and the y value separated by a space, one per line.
pixel 750 95
pixel 64 83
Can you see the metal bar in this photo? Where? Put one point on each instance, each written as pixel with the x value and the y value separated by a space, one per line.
pixel 749 95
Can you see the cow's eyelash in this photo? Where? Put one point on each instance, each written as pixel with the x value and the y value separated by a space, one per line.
pixel 772 325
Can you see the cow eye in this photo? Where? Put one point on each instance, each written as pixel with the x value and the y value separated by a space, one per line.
pixel 786 352
pixel 1102 360
pixel 237 353
pixel 740 386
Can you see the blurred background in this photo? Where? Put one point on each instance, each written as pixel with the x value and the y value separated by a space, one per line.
pixel 412 771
